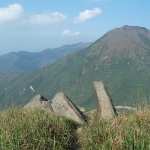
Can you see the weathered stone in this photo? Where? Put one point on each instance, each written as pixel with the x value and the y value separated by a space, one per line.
pixel 103 101
pixel 91 113
pixel 62 105
pixel 39 102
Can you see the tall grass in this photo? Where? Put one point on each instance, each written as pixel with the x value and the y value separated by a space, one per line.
pixel 35 130
pixel 38 130
pixel 126 132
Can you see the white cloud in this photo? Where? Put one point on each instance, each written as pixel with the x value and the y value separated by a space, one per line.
pixel 11 13
pixel 47 18
pixel 67 32
pixel 87 14
pixel 14 12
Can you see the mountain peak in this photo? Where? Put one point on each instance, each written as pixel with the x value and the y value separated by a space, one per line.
pixel 120 59
pixel 127 27
pixel 119 42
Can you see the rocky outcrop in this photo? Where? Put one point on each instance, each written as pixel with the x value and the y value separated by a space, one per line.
pixel 103 101
pixel 62 105
pixel 39 102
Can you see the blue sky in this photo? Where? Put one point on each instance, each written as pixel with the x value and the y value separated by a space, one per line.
pixel 34 25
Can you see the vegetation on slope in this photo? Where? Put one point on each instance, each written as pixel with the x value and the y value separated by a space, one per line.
pixel 28 61
pixel 120 59
pixel 21 129
pixel 126 132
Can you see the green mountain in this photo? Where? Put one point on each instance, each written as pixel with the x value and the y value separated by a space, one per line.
pixel 28 61
pixel 120 58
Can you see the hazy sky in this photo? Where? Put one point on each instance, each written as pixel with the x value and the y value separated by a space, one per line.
pixel 34 25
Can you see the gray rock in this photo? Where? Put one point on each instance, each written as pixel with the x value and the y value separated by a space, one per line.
pixel 62 105
pixel 39 102
pixel 103 101
pixel 91 113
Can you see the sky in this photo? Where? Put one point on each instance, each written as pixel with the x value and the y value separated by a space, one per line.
pixel 34 25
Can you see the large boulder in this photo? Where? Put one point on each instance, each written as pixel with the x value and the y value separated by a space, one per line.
pixel 103 101
pixel 39 102
pixel 62 105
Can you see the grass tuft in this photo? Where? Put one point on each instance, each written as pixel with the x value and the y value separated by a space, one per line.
pixel 126 132
pixel 37 129
pixel 21 129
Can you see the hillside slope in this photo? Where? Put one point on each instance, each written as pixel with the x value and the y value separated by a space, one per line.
pixel 120 58
pixel 28 61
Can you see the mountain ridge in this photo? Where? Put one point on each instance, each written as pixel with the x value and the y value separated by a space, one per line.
pixel 122 65
pixel 31 61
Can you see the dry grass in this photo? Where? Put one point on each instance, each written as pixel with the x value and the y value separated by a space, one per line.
pixel 38 130
pixel 126 132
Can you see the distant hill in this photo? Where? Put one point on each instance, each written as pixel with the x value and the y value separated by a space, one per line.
pixel 120 58
pixel 28 61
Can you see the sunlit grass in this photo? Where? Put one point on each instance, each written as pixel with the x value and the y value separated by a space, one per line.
pixel 38 130
pixel 126 132
pixel 20 129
